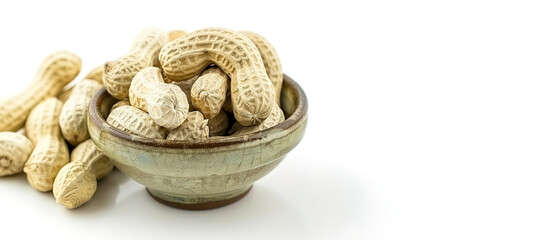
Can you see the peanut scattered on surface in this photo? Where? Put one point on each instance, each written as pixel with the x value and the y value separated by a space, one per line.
pixel 73 116
pixel 143 53
pixel 194 128
pixel 252 91
pixel 166 103
pixel 133 120
pixel 15 149
pixel 50 153
pixel 75 183
pixel 209 92
pixel 54 73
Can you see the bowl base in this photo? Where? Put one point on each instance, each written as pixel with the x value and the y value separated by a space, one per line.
pixel 201 205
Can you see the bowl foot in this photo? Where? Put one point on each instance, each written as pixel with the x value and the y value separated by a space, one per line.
pixel 199 203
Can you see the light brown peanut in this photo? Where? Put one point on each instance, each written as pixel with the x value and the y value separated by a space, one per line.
pixel 15 149
pixel 75 183
pixel 120 104
pixel 50 153
pixel 93 158
pixel 252 91
pixel 133 120
pixel 194 128
pixel 165 103
pixel 218 125
pixel 73 116
pixel 143 53
pixel 174 34
pixel 54 73
pixel 271 61
pixel 276 117
pixel 209 92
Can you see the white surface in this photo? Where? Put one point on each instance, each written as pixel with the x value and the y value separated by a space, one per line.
pixel 427 120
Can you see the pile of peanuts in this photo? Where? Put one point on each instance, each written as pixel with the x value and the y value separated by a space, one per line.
pixel 210 83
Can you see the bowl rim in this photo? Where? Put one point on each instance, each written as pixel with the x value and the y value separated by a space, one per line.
pixel 99 122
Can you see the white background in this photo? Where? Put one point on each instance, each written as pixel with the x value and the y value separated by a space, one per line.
pixel 427 120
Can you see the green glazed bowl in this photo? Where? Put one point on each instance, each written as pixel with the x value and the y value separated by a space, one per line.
pixel 200 175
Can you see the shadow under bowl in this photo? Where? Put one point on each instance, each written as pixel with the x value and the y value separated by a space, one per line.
pixel 200 175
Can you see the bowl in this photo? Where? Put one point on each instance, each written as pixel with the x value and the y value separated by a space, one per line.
pixel 200 175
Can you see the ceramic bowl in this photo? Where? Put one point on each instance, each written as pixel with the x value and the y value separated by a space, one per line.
pixel 200 175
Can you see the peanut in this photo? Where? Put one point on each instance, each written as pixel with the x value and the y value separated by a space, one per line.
pixel 209 91
pixel 15 149
pixel 276 117
pixel 218 125
pixel 74 112
pixel 75 183
pixel 172 35
pixel 143 53
pixel 252 91
pixel 120 104
pixel 271 61
pixel 166 103
pixel 50 153
pixel 135 121
pixel 88 153
pixel 54 73
pixel 194 128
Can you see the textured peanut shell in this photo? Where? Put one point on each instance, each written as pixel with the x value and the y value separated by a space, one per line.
pixel 74 185
pixel 73 116
pixel 194 128
pixel 50 153
pixel 218 125
pixel 119 104
pixel 15 149
pixel 92 157
pixel 276 117
pixel 133 120
pixel 174 34
pixel 209 92
pixel 271 61
pixel 143 53
pixel 56 71
pixel 252 91
pixel 165 103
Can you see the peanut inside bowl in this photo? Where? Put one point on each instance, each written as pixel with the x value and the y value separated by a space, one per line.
pixel 200 175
